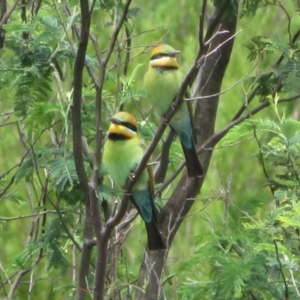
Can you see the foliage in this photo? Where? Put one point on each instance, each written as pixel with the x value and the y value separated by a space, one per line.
pixel 37 69
pixel 287 73
pixel 252 257
pixel 249 254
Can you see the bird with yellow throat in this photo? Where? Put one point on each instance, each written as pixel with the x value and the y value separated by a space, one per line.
pixel 123 151
pixel 162 83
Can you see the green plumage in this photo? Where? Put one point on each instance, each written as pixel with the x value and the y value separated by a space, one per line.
pixel 162 88
pixel 122 153
pixel 120 158
pixel 162 83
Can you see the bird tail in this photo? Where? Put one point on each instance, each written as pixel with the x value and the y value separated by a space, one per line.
pixel 194 167
pixel 155 241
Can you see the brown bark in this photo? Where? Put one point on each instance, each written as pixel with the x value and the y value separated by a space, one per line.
pixel 208 82
pixel 78 153
pixel 3 20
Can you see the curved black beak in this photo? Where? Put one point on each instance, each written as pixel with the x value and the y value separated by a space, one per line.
pixel 114 120
pixel 173 53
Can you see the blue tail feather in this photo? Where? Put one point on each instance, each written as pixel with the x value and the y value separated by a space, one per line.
pixel 143 203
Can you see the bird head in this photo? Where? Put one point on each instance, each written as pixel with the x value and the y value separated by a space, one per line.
pixel 164 56
pixel 122 126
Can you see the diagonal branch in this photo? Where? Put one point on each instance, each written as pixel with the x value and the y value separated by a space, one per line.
pixel 214 66
pixel 214 139
pixel 116 32
pixel 211 142
pixel 216 19
pixel 161 129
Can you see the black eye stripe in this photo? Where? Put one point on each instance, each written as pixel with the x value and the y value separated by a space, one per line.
pixel 117 137
pixel 130 126
pixel 159 55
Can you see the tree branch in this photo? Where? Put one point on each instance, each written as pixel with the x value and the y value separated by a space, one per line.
pixel 77 148
pixel 102 233
pixel 214 67
pixel 286 287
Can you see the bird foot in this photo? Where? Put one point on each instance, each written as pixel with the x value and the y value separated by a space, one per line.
pixel 173 106
pixel 165 121
pixel 132 176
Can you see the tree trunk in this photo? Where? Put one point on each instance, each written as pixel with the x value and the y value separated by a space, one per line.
pixel 208 82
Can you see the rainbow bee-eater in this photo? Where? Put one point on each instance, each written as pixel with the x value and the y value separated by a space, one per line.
pixel 162 83
pixel 123 151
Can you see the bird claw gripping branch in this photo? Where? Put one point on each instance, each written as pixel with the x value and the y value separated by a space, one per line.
pixel 132 176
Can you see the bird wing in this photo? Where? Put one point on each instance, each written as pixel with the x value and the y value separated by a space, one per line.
pixel 191 113
pixel 143 194
pixel 151 180
pixel 190 108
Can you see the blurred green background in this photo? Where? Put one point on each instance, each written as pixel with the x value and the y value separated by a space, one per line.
pixel 233 168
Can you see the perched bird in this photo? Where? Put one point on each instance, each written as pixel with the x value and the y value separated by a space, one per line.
pixel 122 153
pixel 162 83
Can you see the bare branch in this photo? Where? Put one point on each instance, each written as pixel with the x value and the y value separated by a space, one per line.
pixel 77 147
pixel 78 34
pixel 215 20
pixel 286 287
pixel 201 25
pixel 213 140
pixel 76 109
pixel 45 212
pixel 7 14
pixel 22 272
pixel 102 233
pixel 200 97
pixel 116 33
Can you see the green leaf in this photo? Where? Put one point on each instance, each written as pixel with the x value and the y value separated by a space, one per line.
pixel 248 127
pixel 57 259
pixel 63 172
pixel 17 197
pixel 271 247
pixel 294 139
pixel 291 75
pixel 289 127
pixel 24 171
pixel 104 192
pixel 289 221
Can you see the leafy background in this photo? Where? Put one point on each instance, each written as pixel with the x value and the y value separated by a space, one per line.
pixel 243 221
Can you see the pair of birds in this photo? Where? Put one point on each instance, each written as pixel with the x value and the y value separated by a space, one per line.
pixel 123 148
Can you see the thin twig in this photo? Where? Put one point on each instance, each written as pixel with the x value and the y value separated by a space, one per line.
pixel 286 288
pixel 31 215
pixel 294 283
pixel 64 225
pixel 102 233
pixel 215 20
pixel 224 91
pixel 262 161
pixel 77 32
pixel 254 92
pixel 8 13
pixel 217 137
